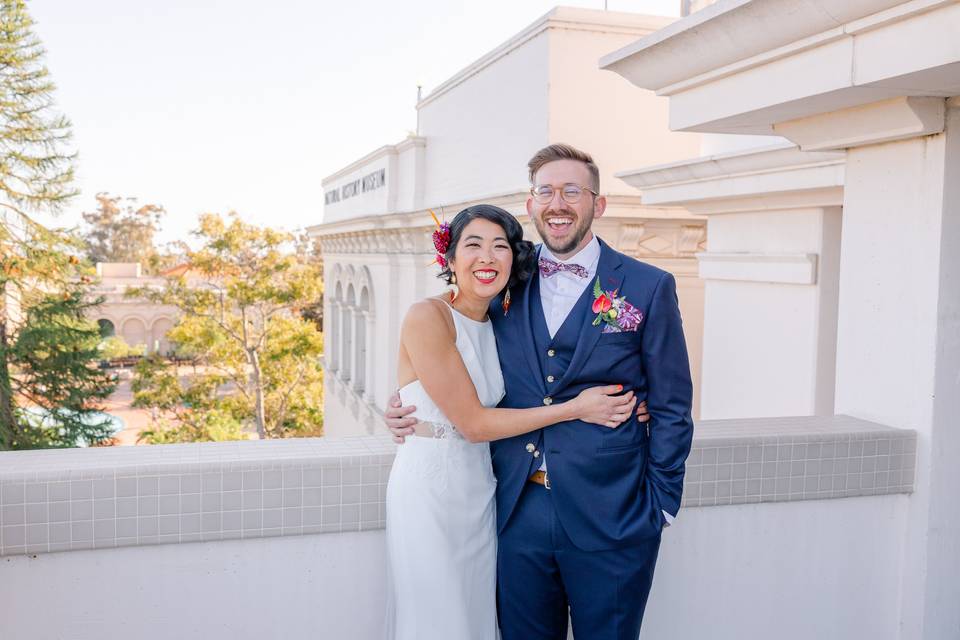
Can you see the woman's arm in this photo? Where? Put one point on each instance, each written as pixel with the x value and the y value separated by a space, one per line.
pixel 429 343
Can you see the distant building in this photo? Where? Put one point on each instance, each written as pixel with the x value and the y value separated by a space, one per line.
pixel 137 321
pixel 476 133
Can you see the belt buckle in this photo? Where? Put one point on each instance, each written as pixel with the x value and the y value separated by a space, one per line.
pixel 546 480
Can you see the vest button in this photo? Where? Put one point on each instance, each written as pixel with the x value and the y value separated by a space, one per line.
pixel 551 352
pixel 548 400
pixel 530 447
pixel 550 378
pixel 536 454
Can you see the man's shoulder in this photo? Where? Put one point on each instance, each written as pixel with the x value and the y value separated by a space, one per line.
pixel 638 268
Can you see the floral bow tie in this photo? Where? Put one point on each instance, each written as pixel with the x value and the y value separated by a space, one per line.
pixel 549 267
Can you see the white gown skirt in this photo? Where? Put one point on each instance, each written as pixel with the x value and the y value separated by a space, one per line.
pixel 442 541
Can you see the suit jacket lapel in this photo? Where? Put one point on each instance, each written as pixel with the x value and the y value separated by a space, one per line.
pixel 527 342
pixel 611 277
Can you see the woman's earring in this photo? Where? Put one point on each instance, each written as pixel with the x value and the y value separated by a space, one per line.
pixel 454 289
pixel 506 302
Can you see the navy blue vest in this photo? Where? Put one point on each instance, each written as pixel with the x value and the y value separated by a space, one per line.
pixel 555 354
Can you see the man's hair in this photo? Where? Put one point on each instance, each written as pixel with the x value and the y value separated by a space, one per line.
pixel 562 151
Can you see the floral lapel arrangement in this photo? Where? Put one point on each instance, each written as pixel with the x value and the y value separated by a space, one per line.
pixel 614 312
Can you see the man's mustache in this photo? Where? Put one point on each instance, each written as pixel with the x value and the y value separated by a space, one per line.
pixel 560 212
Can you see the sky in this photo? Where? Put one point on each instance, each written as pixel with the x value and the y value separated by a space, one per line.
pixel 242 105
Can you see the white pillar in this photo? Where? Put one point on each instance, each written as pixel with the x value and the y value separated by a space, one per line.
pixel 331 338
pixel 770 273
pixel 358 351
pixel 368 385
pixel 898 348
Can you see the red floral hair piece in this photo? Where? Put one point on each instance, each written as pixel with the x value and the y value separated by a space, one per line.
pixel 441 240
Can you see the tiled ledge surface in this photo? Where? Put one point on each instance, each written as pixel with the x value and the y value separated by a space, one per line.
pixel 60 500
pixel 803 458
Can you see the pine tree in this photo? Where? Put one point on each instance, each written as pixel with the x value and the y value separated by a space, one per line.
pixel 35 171
pixel 53 356
pixel 41 285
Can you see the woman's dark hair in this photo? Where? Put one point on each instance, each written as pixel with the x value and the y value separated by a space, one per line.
pixel 524 254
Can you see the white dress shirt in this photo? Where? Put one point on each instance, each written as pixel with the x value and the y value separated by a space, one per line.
pixel 559 294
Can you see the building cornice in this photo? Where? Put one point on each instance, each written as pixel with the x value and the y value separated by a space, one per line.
pixel 742 67
pixel 618 206
pixel 679 237
pixel 731 31
pixel 557 18
pixel 752 161
pixel 780 176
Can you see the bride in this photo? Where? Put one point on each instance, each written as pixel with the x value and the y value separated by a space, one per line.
pixel 441 533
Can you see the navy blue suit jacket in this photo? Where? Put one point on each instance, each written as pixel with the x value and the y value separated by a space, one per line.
pixel 609 485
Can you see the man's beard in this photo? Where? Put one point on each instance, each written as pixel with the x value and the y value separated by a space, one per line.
pixel 582 225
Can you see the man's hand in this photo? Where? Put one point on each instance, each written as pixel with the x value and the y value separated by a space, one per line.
pixel 395 417
pixel 642 415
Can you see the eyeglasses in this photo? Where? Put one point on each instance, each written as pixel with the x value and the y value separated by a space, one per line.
pixel 570 193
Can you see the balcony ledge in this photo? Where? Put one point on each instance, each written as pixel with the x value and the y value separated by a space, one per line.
pixel 75 499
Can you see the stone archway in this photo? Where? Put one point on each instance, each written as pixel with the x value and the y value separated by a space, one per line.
pixel 107 329
pixel 134 332
pixel 159 342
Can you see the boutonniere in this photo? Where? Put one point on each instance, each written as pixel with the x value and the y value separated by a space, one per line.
pixel 615 312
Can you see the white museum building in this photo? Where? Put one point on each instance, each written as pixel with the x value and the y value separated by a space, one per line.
pixel 795 162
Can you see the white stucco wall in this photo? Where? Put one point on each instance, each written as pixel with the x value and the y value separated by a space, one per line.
pixel 315 586
pixel 481 131
pixel 348 186
pixel 793 570
pixel 769 345
pixel 601 112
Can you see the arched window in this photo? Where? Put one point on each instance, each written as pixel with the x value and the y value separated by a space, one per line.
pixel 106 328
pixel 160 343
pixel 134 332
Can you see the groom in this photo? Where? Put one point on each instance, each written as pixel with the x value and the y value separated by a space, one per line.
pixel 580 508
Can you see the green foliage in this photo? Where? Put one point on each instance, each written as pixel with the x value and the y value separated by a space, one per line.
pixel 54 358
pixel 35 172
pixel 116 347
pixel 257 360
pixel 49 388
pixel 187 411
pixel 121 231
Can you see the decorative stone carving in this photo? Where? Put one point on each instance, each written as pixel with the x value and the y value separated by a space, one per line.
pixel 378 241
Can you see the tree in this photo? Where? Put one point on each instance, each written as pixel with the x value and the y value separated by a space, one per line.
pixel 120 231
pixel 36 173
pixel 113 347
pixel 45 352
pixel 53 356
pixel 308 252
pixel 258 359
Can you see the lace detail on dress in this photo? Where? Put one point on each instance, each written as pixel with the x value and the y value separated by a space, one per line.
pixel 445 431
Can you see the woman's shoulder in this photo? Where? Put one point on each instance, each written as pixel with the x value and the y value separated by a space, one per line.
pixel 428 314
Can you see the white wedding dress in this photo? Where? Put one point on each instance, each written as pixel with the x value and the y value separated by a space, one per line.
pixel 441 519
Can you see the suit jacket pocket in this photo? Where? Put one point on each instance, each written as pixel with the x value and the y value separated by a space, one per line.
pixel 622 448
pixel 619 337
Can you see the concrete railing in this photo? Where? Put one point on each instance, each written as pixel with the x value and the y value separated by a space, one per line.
pixel 286 536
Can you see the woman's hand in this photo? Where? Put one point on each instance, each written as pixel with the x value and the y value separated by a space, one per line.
pixel 599 406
